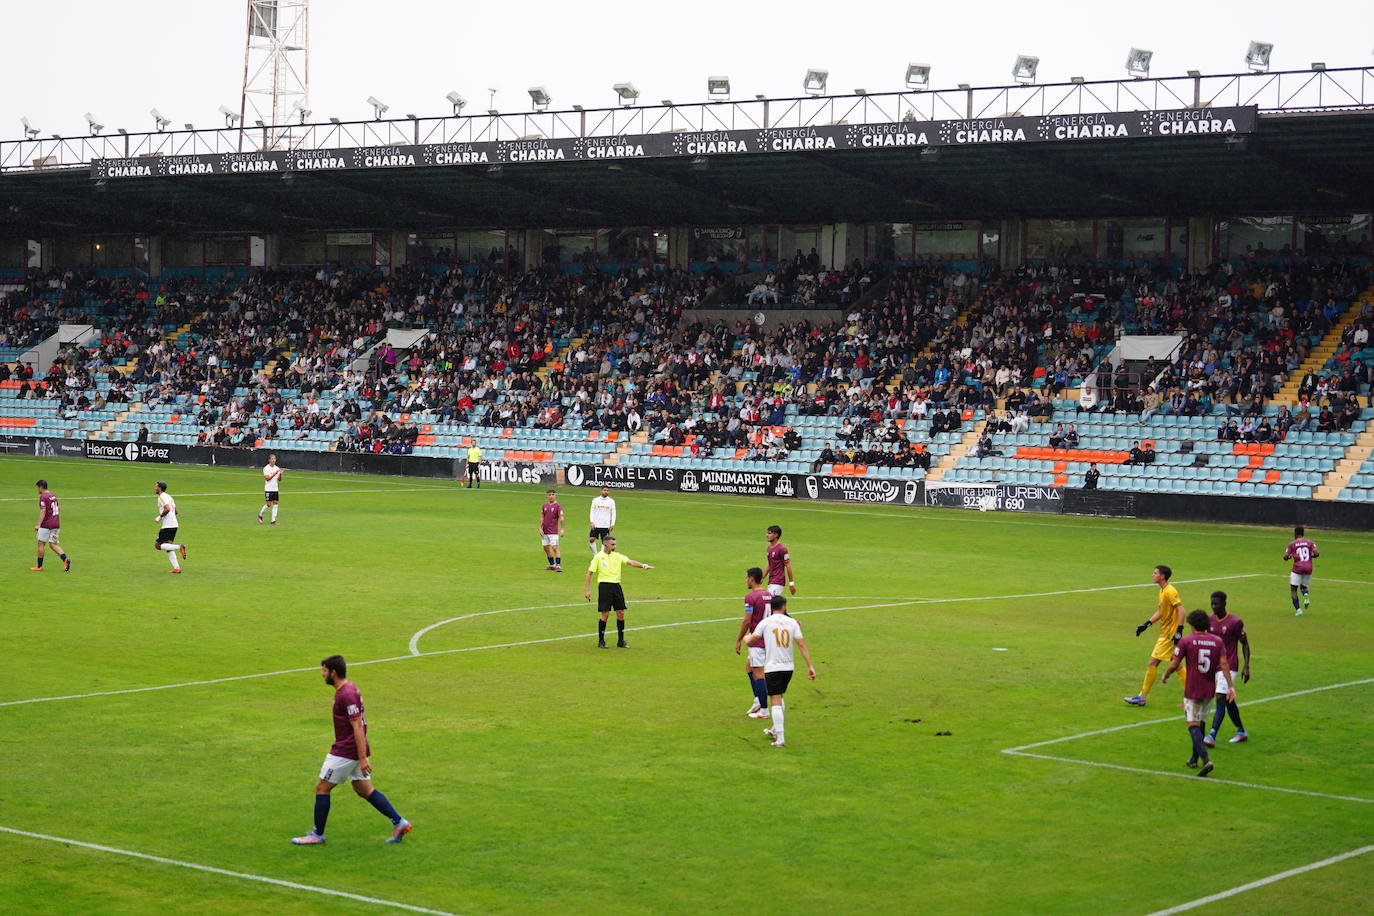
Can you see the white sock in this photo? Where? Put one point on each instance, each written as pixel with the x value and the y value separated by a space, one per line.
pixel 777 722
pixel 274 513
pixel 172 555
pixel 262 511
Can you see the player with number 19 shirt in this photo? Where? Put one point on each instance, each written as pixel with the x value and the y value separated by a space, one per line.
pixel 1302 552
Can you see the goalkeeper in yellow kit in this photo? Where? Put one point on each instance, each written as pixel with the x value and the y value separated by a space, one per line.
pixel 1170 619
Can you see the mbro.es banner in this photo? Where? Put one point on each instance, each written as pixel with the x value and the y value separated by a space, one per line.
pixel 861 489
pixel 514 472
pixel 128 451
pixel 995 131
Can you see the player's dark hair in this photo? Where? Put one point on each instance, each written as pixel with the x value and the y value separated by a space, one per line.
pixel 775 529
pixel 336 664
pixel 1299 531
pixel 1165 571
pixel 42 483
pixel 1198 620
pixel 754 573
pixel 550 490
pixel 1219 599
pixel 779 604
pixel 161 485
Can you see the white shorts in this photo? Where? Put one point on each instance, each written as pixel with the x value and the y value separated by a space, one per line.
pixel 774 589
pixel 49 534
pixel 1223 686
pixel 548 540
pixel 337 769
pixel 756 656
pixel 1296 579
pixel 1198 710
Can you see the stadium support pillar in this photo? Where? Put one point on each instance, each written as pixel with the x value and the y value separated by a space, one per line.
pixel 1013 242
pixel 1200 241
pixel 155 256
pixel 534 249
pixel 271 249
pixel 679 247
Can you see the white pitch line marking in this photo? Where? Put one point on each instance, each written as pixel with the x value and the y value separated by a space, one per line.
pixel 244 876
pixel 1301 869
pixel 1345 581
pixel 25 499
pixel 1118 728
pixel 1192 776
pixel 395 658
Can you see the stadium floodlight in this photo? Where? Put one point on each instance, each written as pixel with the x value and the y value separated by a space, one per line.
pixel 159 120
pixel 1257 56
pixel 1319 65
pixel 334 121
pixel 1195 74
pixel 412 117
pixel 1077 80
pixel 121 131
pixel 189 126
pixel 379 107
pixel 666 103
pixel 578 108
pixel 298 108
pixel 29 130
pixel 627 92
pixel 815 81
pixel 718 88
pixel 259 123
pixel 540 98
pixel 457 101
pixel 1138 63
pixel 493 112
pixel 965 86
pixel 917 76
pixel 94 122
pixel 1023 71
pixel 861 92
pixel 231 117
pixel 760 97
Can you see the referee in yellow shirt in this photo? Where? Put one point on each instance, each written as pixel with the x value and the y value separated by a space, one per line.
pixel 607 564
pixel 1170 618
pixel 474 466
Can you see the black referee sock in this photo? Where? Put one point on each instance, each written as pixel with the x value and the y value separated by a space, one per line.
pixel 620 629
pixel 601 631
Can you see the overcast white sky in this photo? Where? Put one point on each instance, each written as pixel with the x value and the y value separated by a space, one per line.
pixel 185 57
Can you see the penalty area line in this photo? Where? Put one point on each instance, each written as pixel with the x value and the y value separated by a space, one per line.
pixel 1271 879
pixel 211 869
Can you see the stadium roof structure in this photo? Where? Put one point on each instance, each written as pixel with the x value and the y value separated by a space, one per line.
pixel 1238 143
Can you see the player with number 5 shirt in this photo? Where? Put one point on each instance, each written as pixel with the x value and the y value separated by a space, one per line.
pixel 1205 655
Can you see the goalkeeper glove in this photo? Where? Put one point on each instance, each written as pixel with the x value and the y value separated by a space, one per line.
pixel 1142 628
pixel 1178 634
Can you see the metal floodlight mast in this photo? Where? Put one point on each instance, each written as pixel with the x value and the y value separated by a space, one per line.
pixel 627 92
pixel 276 64
pixel 718 87
pixel 1138 63
pixel 540 98
pixel 815 81
pixel 917 76
pixel 1257 56
pixel 1024 69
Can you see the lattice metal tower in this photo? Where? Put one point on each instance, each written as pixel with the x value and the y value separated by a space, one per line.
pixel 276 67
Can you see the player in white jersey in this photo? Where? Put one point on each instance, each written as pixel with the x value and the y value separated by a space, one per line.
pixel 777 633
pixel 271 488
pixel 602 518
pixel 167 530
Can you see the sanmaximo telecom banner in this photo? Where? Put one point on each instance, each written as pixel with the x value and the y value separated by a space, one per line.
pixel 915 134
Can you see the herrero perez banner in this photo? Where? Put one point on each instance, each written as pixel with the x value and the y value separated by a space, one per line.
pixel 970 132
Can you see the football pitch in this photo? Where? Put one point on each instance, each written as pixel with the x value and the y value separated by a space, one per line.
pixel 964 748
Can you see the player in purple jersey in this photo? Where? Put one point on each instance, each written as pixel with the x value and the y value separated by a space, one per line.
pixel 1205 655
pixel 779 563
pixel 347 757
pixel 49 528
pixel 551 529
pixel 1231 629
pixel 757 605
pixel 1302 552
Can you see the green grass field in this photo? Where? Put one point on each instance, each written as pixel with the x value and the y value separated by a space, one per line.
pixel 544 776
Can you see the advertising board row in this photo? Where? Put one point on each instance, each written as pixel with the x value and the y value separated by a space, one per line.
pixel 985 497
pixel 991 131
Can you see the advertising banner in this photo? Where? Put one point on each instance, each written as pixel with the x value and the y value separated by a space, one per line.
pixel 862 490
pixel 128 451
pixel 737 483
pixel 995 497
pixel 42 447
pixel 995 131
pixel 622 477
pixel 515 472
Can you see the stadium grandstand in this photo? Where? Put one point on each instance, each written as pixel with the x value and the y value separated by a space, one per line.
pixel 1178 292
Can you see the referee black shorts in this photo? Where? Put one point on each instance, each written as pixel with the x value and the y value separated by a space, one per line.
pixel 609 597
